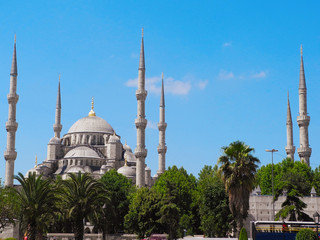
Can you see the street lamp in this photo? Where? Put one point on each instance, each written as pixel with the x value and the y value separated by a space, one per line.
pixel 316 217
pixel 272 151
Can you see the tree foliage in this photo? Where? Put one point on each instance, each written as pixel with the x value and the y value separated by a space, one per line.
pixel 83 198
pixel 238 168
pixel 213 203
pixel 119 189
pixel 180 187
pixel 243 234
pixel 9 207
pixel 37 199
pixel 306 234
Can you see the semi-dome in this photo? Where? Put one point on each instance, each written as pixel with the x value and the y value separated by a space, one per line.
pixel 114 139
pixel 81 152
pixel 91 124
pixel 76 169
pixel 127 147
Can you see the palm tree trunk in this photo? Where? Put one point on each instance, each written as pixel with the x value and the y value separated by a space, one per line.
pixel 78 230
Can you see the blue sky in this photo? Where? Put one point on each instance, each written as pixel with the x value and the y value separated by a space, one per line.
pixel 228 66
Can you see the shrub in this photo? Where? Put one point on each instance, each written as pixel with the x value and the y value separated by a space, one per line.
pixel 10 238
pixel 243 234
pixel 306 234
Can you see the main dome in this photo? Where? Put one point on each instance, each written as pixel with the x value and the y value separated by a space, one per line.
pixel 91 124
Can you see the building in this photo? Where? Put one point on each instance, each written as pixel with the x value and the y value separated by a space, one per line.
pixel 303 120
pixel 91 145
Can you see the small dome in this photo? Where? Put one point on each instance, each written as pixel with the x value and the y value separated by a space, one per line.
pixel 32 170
pixel 129 172
pixel 105 167
pixel 91 124
pixel 55 140
pixel 81 152
pixel 75 169
pixel 114 139
pixel 127 148
pixel 129 156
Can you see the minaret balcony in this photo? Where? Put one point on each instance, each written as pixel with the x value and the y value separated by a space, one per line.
pixel 303 120
pixel 141 123
pixel 162 149
pixel 13 98
pixel 10 155
pixel 11 126
pixel 141 94
pixel 162 126
pixel 304 151
pixel 57 127
pixel 141 153
pixel 290 149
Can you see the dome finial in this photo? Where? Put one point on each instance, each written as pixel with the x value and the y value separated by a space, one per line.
pixel 36 162
pixel 92 113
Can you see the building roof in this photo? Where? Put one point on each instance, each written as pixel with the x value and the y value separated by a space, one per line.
pixel 81 152
pixel 92 124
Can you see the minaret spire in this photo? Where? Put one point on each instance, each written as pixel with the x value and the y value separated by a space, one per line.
pixel 141 121
pixel 303 119
pixel 10 154
pixel 57 125
pixel 290 148
pixel 162 125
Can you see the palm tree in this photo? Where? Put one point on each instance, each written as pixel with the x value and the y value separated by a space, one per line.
pixel 83 198
pixel 238 168
pixel 38 204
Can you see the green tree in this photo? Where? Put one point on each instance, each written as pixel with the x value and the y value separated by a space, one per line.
pixel 264 176
pixel 37 200
pixel 9 207
pixel 238 168
pixel 316 180
pixel 243 234
pixel 119 189
pixel 143 216
pixel 180 187
pixel 292 208
pixel 213 203
pixel 306 234
pixel 83 197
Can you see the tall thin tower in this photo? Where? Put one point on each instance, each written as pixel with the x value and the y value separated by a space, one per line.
pixel 10 154
pixel 303 119
pixel 57 124
pixel 162 125
pixel 141 121
pixel 290 148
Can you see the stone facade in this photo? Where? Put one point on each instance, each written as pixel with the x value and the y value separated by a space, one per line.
pixel 91 145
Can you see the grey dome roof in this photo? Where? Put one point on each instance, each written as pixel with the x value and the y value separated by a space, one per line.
pixel 127 147
pixel 127 171
pixel 91 124
pixel 75 169
pixel 129 156
pixel 81 152
pixel 55 140
pixel 114 139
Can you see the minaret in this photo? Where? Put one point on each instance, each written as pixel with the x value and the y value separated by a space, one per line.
pixel 57 124
pixel 10 154
pixel 290 148
pixel 162 125
pixel 141 122
pixel 303 119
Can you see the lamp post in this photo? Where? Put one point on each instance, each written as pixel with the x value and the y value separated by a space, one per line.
pixel 272 151
pixel 316 217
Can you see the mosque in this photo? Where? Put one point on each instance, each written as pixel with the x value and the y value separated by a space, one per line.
pixel 91 145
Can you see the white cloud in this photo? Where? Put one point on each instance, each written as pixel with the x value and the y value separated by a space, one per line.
pixel 202 84
pixel 152 125
pixel 172 86
pixel 227 44
pixel 224 75
pixel 261 74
